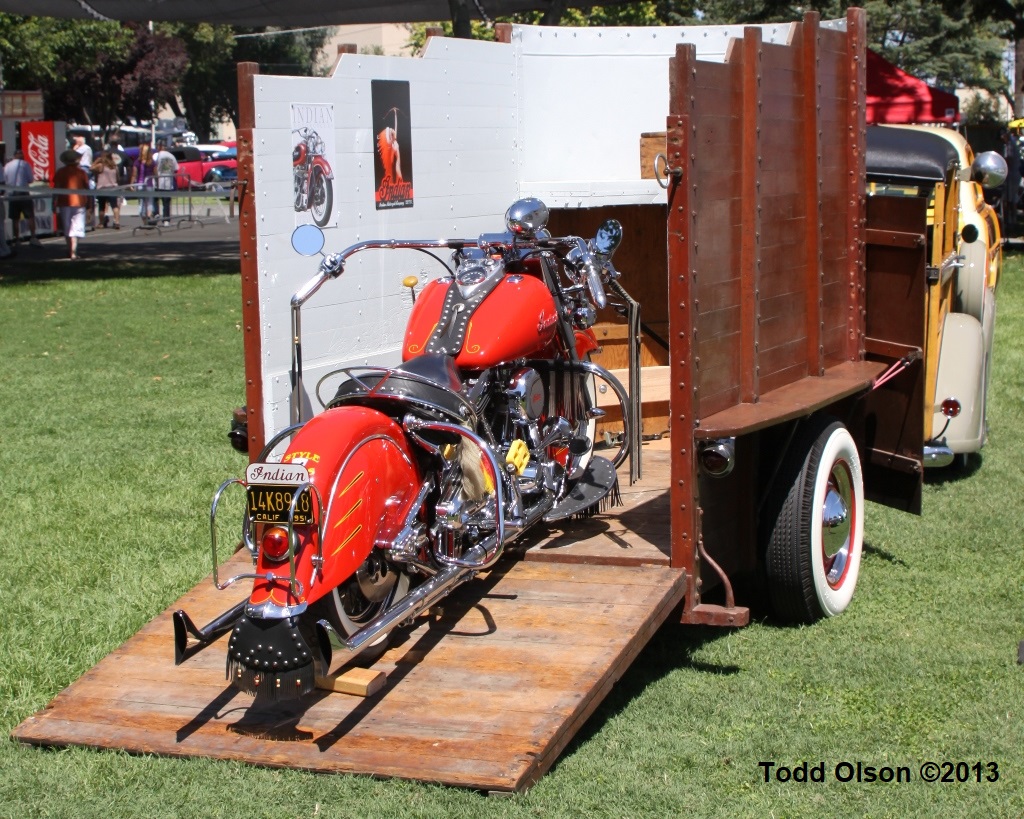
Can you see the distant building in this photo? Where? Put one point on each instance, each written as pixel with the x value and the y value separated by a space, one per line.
pixel 389 39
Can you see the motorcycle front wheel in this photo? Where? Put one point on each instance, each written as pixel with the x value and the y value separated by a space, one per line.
pixel 321 197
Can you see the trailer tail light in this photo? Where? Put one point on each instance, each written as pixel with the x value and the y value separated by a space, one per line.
pixel 275 544
pixel 717 458
pixel 951 408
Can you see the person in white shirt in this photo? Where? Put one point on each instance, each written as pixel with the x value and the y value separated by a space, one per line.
pixel 84 151
pixel 165 167
pixel 18 174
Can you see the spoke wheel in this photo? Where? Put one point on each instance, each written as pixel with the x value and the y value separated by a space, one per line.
pixel 321 197
pixel 816 536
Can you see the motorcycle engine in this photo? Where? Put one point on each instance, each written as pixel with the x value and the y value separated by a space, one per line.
pixel 526 394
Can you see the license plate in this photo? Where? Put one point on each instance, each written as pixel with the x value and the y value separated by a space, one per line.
pixel 270 490
pixel 270 504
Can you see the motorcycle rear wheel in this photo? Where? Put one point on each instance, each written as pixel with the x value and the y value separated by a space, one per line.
pixel 348 609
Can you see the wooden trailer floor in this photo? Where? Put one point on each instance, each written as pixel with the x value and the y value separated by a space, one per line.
pixel 483 692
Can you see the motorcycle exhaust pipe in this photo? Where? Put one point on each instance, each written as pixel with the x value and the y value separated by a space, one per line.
pixel 336 650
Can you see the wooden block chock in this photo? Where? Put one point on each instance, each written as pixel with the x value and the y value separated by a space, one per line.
pixel 359 682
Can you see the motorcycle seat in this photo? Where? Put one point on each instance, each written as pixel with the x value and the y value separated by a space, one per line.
pixel 430 382
pixel 436 367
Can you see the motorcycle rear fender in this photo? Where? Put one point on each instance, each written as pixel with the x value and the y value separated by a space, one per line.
pixel 360 462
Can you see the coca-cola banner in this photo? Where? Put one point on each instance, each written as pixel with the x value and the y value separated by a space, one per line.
pixel 42 142
pixel 39 144
pixel 392 159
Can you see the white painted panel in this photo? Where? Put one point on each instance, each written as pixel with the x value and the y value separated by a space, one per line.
pixel 587 94
pixel 557 114
pixel 464 169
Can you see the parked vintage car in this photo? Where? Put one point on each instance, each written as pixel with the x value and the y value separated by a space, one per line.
pixel 195 164
pixel 962 268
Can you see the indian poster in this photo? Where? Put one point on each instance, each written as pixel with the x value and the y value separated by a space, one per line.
pixel 392 157
pixel 312 154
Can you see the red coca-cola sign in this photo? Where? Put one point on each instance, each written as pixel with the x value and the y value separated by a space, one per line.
pixel 39 145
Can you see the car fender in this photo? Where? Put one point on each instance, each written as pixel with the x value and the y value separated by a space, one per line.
pixel 962 375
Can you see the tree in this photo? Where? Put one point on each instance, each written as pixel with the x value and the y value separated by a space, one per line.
pixel 209 88
pixel 1011 13
pixel 204 89
pixel 950 43
pixel 90 71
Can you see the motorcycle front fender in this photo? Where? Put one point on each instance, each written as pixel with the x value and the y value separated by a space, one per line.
pixel 323 165
pixel 586 342
pixel 361 463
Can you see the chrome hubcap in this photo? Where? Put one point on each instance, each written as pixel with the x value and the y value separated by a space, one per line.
pixel 837 523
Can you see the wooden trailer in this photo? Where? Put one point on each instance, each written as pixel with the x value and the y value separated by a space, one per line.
pixel 750 266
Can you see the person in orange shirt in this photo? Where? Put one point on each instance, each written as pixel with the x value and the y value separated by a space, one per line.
pixel 71 206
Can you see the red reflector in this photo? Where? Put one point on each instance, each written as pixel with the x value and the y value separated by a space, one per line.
pixel 275 543
pixel 951 408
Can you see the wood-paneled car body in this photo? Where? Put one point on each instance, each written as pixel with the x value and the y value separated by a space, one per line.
pixel 931 177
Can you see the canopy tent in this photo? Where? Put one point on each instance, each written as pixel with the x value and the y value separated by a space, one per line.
pixel 284 13
pixel 898 98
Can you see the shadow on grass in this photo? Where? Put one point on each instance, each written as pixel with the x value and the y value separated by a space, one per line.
pixel 672 648
pixel 882 554
pixel 102 269
pixel 962 468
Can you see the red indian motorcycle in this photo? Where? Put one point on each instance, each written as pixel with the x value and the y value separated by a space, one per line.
pixel 312 176
pixel 415 478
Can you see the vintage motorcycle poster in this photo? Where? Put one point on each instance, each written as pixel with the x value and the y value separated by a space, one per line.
pixel 392 156
pixel 313 150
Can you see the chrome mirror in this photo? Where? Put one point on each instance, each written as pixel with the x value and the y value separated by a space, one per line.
pixel 607 238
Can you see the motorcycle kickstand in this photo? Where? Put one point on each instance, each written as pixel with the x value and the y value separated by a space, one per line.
pixel 202 637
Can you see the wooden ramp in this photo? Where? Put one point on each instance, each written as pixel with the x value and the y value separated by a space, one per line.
pixel 483 692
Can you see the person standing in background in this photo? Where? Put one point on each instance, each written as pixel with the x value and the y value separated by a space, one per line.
pixel 142 179
pixel 18 174
pixel 71 206
pixel 82 148
pixel 104 170
pixel 166 170
pixel 1011 153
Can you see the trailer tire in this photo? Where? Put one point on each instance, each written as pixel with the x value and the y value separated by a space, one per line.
pixel 812 565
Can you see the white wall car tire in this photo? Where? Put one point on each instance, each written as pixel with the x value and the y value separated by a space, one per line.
pixel 816 537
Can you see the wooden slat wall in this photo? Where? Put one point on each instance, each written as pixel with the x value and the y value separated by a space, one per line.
pixel 765 228
pixel 247 72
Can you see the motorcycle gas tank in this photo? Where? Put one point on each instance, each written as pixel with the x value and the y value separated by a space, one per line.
pixel 360 462
pixel 518 319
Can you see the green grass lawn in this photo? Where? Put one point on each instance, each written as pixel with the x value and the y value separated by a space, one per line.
pixel 116 389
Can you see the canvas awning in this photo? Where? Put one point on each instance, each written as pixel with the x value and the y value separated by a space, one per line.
pixel 895 97
pixel 260 13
